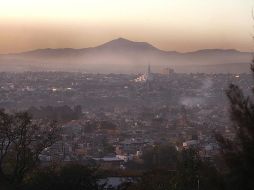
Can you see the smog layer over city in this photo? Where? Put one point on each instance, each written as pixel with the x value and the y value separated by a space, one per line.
pixel 126 95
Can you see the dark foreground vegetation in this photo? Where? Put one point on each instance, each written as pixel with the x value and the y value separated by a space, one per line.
pixel 22 140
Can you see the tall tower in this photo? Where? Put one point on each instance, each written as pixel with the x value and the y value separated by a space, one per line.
pixel 148 74
pixel 148 77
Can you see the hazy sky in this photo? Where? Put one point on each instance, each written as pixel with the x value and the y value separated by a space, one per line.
pixel 181 25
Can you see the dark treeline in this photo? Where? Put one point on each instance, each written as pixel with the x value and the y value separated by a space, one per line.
pixel 66 177
pixel 238 154
pixel 21 142
pixel 166 168
pixel 59 113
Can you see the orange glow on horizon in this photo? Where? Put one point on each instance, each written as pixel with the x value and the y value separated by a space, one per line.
pixel 181 25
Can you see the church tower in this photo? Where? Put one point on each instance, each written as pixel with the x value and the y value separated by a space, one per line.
pixel 148 77
pixel 148 74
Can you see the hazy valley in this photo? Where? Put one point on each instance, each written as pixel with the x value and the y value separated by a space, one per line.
pixel 124 56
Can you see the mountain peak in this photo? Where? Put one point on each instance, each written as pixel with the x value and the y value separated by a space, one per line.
pixel 122 39
pixel 122 43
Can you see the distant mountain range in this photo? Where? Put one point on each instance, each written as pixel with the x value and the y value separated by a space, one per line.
pixel 125 56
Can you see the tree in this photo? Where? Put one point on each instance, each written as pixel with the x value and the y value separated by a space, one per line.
pixel 194 172
pixel 21 142
pixel 163 156
pixel 191 173
pixel 188 166
pixel 156 179
pixel 68 177
pixel 238 153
